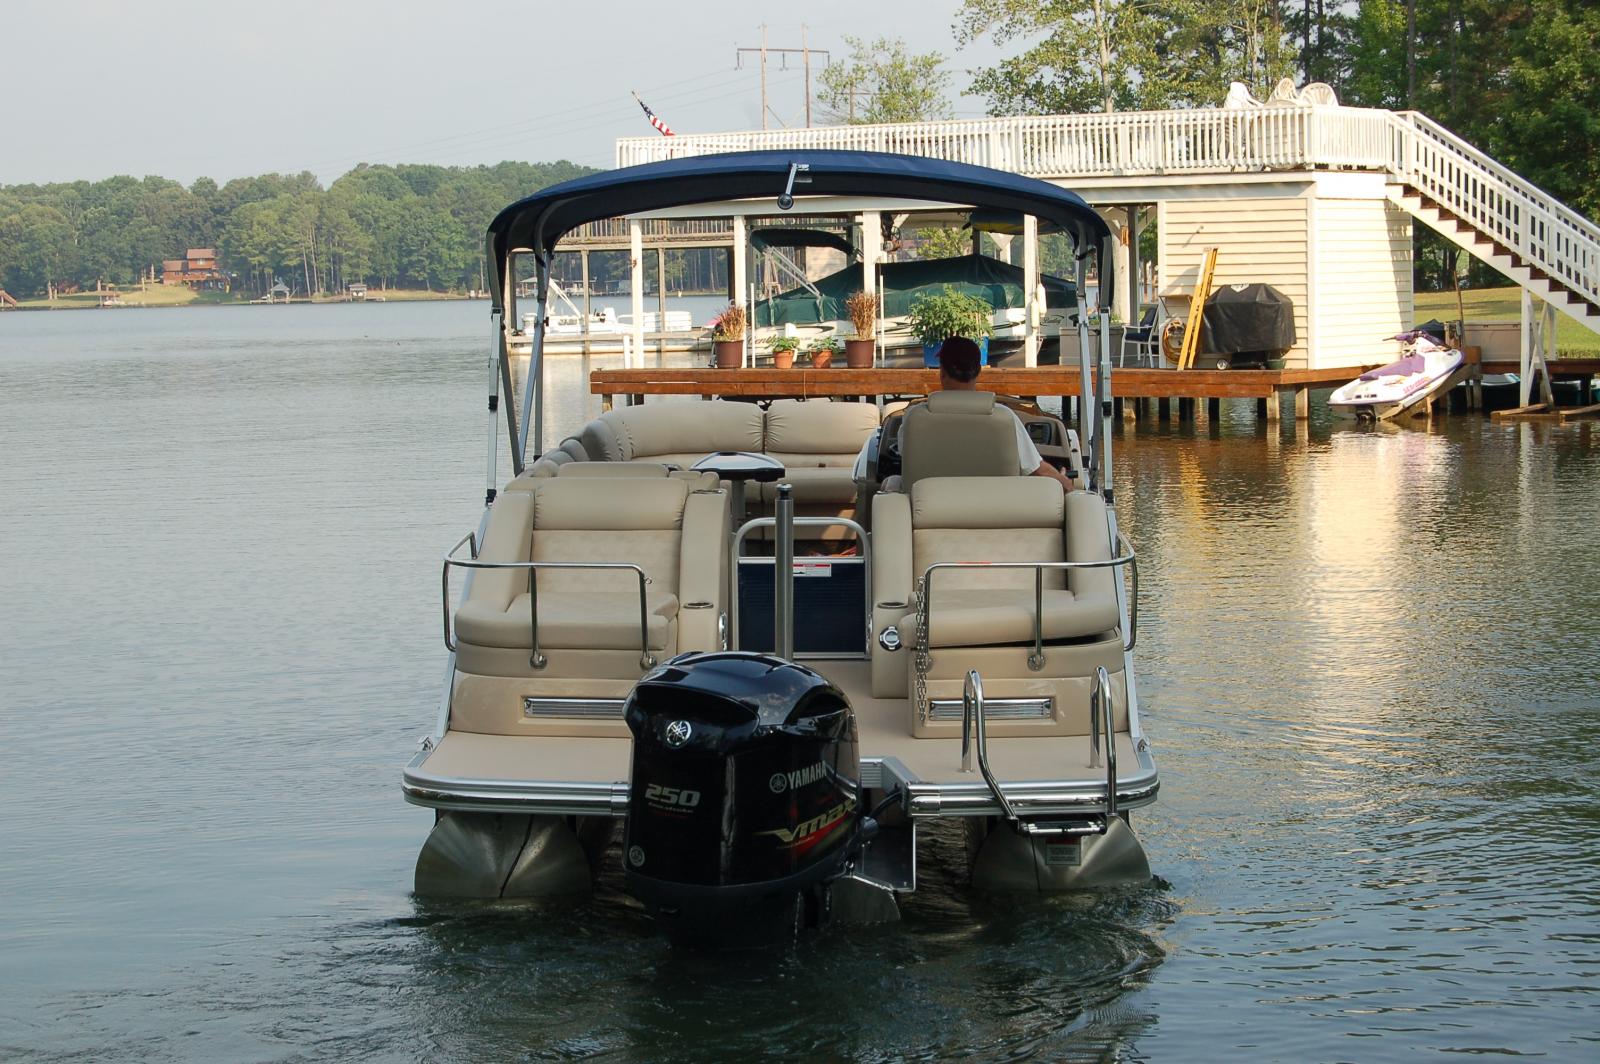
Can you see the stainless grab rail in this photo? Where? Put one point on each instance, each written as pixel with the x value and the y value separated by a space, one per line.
pixel 1100 707
pixel 536 659
pixel 863 543
pixel 972 722
pixel 1036 659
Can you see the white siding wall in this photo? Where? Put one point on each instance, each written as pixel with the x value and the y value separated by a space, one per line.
pixel 1362 272
pixel 1259 240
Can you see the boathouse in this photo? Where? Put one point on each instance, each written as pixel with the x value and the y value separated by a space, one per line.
pixel 1318 200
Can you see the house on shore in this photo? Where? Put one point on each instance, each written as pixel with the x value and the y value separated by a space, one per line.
pixel 198 269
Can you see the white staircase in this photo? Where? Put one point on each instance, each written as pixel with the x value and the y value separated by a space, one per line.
pixel 1490 212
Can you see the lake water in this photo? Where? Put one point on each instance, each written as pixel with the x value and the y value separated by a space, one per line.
pixel 1368 666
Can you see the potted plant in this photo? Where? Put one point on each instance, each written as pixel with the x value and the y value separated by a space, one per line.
pixel 822 350
pixel 863 310
pixel 783 349
pixel 727 337
pixel 934 319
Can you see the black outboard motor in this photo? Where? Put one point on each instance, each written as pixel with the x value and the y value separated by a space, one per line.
pixel 745 797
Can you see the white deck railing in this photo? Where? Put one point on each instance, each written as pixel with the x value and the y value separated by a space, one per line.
pixel 1408 146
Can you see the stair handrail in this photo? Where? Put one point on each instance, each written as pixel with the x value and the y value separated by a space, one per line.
pixel 1518 231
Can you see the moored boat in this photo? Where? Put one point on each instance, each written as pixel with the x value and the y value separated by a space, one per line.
pixel 1391 390
pixel 765 647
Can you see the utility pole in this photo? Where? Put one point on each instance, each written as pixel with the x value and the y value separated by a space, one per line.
pixel 803 51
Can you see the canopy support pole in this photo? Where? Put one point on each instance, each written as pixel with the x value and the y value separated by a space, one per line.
pixel 1031 311
pixel 533 387
pixel 1103 435
pixel 496 364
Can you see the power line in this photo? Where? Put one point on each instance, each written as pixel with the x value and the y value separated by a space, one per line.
pixel 804 52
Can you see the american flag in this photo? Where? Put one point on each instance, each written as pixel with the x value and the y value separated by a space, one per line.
pixel 665 130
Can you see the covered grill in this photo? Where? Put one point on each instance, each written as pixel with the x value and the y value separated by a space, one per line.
pixel 1247 323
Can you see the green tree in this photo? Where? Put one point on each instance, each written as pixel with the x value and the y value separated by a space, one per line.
pixel 882 82
pixel 1109 55
pixel 1081 55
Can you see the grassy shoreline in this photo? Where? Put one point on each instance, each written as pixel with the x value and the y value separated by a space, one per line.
pixel 1505 305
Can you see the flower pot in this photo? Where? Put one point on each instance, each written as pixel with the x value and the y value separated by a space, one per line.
pixel 1275 363
pixel 821 359
pixel 858 354
pixel 730 353
pixel 783 359
pixel 930 353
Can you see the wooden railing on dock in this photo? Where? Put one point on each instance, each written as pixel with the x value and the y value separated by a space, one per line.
pixel 1062 381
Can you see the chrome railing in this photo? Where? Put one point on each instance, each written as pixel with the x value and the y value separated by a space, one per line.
pixel 863 544
pixel 1101 716
pixel 1036 659
pixel 536 659
pixel 974 734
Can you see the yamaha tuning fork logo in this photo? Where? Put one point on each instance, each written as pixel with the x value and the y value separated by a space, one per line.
pixel 788 781
pixel 678 733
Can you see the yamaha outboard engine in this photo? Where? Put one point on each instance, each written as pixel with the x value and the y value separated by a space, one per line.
pixel 745 797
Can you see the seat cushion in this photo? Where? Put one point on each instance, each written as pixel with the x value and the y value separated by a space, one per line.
pixel 970 617
pixel 570 621
pixel 681 433
pixel 816 426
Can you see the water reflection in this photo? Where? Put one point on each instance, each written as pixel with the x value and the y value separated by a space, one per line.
pixel 1368 667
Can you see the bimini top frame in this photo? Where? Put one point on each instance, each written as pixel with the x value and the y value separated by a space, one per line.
pixel 535 224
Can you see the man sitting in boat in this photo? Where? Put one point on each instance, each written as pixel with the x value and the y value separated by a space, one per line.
pixel 960 362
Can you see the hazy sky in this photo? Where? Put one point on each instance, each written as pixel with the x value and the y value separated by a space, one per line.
pixel 227 88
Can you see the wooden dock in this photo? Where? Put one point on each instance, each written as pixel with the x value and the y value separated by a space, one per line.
pixel 1267 386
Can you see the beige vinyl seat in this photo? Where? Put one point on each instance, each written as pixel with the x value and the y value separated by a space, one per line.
pixel 957 434
pixel 983 618
pixel 589 619
pixel 816 440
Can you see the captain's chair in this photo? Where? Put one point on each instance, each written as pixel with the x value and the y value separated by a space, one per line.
pixel 958 434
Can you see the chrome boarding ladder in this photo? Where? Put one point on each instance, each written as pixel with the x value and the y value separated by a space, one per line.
pixel 1101 721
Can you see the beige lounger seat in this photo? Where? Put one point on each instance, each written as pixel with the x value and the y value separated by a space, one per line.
pixel 816 440
pixel 982 617
pixel 588 619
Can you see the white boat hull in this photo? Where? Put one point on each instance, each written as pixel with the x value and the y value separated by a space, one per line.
pixel 1382 394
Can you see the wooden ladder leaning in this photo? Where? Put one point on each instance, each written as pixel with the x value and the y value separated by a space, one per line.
pixel 1197 308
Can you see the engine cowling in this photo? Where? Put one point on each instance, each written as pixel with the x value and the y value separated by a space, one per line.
pixel 745 793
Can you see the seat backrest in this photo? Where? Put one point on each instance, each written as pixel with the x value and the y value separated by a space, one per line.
pixel 816 432
pixel 958 434
pixel 589 519
pixel 673 433
pixel 987 519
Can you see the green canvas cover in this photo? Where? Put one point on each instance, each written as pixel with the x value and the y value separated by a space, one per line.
pixel 997 283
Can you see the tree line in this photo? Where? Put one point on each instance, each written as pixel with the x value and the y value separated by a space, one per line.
pixel 1518 78
pixel 407 226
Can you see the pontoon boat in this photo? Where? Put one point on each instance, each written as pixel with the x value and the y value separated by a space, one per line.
pixel 751 651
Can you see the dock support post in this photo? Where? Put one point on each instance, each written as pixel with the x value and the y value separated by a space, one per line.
pixel 661 299
pixel 1302 403
pixel 588 301
pixel 1275 406
pixel 1213 409
pixel 1164 408
pixel 636 283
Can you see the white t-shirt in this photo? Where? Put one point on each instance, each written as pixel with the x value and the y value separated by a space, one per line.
pixel 1027 454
